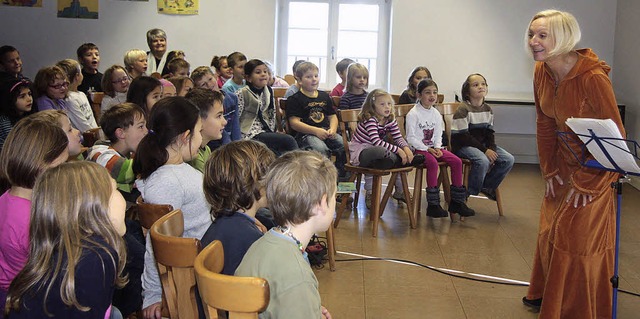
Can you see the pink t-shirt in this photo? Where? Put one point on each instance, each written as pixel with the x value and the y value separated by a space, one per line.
pixel 15 213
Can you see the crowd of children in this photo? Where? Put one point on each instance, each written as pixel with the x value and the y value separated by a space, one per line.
pixel 204 142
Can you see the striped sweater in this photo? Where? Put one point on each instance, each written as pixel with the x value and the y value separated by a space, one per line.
pixel 473 126
pixel 372 132
pixel 120 168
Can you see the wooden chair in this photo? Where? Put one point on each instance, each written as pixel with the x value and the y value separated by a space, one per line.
pixel 96 101
pixel 289 78
pixel 242 297
pixel 279 93
pixel 175 257
pixel 448 110
pixel 401 111
pixel 336 101
pixel 396 98
pixel 148 213
pixel 350 117
pixel 440 98
pixel 91 136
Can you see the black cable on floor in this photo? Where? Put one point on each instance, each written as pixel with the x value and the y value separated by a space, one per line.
pixel 456 275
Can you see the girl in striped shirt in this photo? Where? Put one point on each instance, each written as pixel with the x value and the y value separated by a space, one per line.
pixel 368 147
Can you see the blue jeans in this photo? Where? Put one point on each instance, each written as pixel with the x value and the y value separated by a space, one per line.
pixel 332 145
pixel 483 175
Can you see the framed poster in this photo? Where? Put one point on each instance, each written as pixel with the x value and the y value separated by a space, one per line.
pixel 183 7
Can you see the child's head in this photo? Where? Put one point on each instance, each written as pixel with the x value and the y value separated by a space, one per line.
pixel 72 204
pixel 51 81
pixel 233 177
pixel 17 99
pixel 157 41
pixel 89 57
pixel 307 76
pixel 136 62
pixel 179 67
pixel 209 104
pixel 270 72
pixel 427 92
pixel 357 77
pixel 145 91
pixel 415 77
pixel 31 147
pixel 474 87
pixel 300 185
pixel 256 73
pixel 236 61
pixel 115 80
pixel 60 118
pixel 183 84
pixel 10 60
pixel 296 65
pixel 125 124
pixel 176 54
pixel 174 123
pixel 72 69
pixel 342 66
pixel 378 103
pixel 203 77
pixel 222 67
pixel 168 89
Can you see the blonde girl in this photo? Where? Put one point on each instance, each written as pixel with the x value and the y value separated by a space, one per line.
pixel 76 251
pixel 31 147
pixel 51 86
pixel 418 74
pixel 183 84
pixel 61 119
pixel 368 147
pixel 357 84
pixel 166 178
pixel 136 62
pixel 115 83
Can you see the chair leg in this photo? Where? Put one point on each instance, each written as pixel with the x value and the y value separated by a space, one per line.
pixel 417 191
pixel 358 182
pixel 375 204
pixel 331 249
pixel 407 196
pixel 499 201
pixel 446 185
pixel 344 198
pixel 387 192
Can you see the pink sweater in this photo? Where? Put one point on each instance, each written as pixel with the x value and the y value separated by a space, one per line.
pixel 14 236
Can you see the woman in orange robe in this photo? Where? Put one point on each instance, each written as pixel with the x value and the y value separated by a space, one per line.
pixel 574 257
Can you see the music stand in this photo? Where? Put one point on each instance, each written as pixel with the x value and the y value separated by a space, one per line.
pixel 610 151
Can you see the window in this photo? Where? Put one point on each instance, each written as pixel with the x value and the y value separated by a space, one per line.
pixel 326 31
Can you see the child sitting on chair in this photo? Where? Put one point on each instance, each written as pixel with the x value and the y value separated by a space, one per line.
pixel 301 189
pixel 209 104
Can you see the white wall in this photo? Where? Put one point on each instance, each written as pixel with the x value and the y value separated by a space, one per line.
pixel 219 29
pixel 457 38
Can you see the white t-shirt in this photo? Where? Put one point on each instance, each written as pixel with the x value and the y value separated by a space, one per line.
pixel 79 111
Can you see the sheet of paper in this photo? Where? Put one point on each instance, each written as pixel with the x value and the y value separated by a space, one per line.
pixel 612 142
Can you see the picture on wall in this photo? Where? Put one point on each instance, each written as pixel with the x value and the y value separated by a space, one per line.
pixel 183 7
pixel 78 9
pixel 22 3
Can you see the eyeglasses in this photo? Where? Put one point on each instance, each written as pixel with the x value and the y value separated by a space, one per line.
pixel 122 80
pixel 59 86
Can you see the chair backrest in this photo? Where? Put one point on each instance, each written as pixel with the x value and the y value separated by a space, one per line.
pixel 148 213
pixel 289 78
pixel 96 101
pixel 175 257
pixel 396 98
pixel 447 110
pixel 279 92
pixel 91 136
pixel 401 111
pixel 243 297
pixel 336 101
pixel 347 118
pixel 440 98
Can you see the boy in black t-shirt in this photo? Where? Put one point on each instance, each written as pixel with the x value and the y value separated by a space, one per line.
pixel 89 58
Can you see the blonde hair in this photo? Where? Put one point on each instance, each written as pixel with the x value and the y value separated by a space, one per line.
pixel 131 57
pixel 50 116
pixel 303 68
pixel 296 183
pixel 199 73
pixel 563 30
pixel 71 67
pixel 353 70
pixel 368 109
pixel 64 224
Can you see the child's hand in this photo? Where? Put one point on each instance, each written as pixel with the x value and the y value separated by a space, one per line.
pixel 322 134
pixel 325 313
pixel 436 152
pixel 491 155
pixel 403 156
pixel 331 132
pixel 409 154
pixel 153 311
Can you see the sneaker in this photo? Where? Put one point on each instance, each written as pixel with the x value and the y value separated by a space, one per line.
pixel 367 200
pixel 535 304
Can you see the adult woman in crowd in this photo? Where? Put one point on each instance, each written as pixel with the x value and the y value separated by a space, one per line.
pixel 574 257
pixel 157 56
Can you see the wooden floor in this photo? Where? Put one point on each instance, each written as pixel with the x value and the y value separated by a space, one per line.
pixel 484 244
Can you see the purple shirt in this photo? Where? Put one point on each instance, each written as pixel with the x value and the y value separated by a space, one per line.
pixel 46 103
pixel 15 213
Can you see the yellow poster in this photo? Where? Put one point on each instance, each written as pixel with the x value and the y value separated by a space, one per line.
pixel 78 9
pixel 21 3
pixel 178 6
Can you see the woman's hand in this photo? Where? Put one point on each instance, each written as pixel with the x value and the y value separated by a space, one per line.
pixel 578 198
pixel 154 311
pixel 549 187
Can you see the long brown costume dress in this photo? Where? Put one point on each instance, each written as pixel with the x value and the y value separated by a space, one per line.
pixel 574 257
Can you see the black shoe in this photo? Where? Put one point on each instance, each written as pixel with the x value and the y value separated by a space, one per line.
pixel 418 160
pixel 491 194
pixel 532 303
pixel 460 208
pixel 436 211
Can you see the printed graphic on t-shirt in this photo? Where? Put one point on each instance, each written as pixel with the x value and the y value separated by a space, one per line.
pixel 428 137
pixel 316 112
